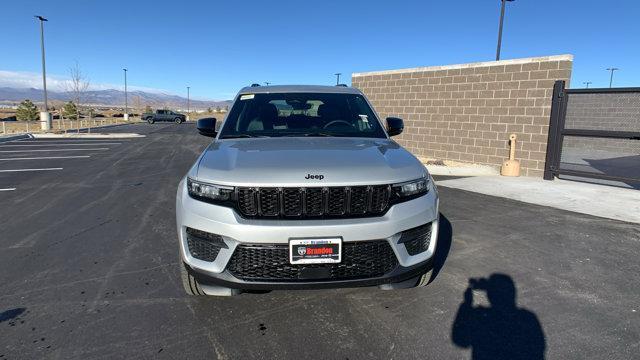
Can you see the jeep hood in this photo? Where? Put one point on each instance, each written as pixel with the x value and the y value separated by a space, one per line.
pixel 285 161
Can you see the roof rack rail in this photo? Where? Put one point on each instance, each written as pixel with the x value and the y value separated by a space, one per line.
pixel 343 85
pixel 255 85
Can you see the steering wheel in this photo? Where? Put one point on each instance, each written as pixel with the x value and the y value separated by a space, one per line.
pixel 335 122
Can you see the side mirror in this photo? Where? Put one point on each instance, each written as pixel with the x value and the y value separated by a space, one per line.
pixel 207 127
pixel 395 126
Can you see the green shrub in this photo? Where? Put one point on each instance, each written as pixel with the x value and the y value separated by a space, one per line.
pixel 27 111
pixel 70 111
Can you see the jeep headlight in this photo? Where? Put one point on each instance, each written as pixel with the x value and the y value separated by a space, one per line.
pixel 412 188
pixel 209 192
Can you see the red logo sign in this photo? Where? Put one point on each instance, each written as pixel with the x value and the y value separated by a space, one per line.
pixel 320 251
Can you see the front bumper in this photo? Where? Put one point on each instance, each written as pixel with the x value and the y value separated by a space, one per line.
pixel 225 279
pixel 236 230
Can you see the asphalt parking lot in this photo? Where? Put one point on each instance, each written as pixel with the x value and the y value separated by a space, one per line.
pixel 88 270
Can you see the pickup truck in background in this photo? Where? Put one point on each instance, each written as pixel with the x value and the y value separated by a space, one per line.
pixel 164 115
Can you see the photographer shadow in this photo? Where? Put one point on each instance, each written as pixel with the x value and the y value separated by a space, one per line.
pixel 500 331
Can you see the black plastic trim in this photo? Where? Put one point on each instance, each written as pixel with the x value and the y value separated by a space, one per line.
pixel 225 279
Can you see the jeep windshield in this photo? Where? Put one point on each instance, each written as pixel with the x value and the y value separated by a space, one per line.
pixel 301 114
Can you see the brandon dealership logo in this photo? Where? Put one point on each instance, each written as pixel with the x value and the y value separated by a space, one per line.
pixel 319 251
pixel 310 176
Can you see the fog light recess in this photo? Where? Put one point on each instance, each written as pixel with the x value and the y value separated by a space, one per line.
pixel 203 245
pixel 416 240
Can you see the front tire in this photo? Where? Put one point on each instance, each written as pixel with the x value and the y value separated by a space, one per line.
pixel 150 120
pixel 178 121
pixel 191 286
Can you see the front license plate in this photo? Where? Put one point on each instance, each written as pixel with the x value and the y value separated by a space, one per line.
pixel 315 251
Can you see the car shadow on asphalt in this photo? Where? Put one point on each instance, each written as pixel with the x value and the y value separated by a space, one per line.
pixel 499 331
pixel 445 237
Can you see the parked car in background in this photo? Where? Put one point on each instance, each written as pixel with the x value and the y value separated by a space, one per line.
pixel 164 115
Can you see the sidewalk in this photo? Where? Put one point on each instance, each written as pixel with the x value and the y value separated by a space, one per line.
pixel 598 200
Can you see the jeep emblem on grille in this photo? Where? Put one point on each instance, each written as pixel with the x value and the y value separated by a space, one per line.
pixel 310 176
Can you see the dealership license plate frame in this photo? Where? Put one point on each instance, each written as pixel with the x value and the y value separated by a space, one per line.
pixel 304 259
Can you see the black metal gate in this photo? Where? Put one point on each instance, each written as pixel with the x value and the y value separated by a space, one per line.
pixel 595 134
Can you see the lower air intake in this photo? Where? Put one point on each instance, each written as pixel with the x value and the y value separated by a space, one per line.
pixel 203 245
pixel 270 263
pixel 416 240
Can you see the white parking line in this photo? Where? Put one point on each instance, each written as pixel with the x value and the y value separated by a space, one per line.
pixel 20 151
pixel 7 189
pixel 67 144
pixel 21 170
pixel 47 158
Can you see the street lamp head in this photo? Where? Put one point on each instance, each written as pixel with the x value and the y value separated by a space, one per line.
pixel 40 18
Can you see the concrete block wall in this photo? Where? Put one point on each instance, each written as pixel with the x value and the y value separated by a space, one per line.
pixel 466 112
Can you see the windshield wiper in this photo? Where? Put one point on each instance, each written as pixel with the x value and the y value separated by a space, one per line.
pixel 310 134
pixel 318 134
pixel 241 136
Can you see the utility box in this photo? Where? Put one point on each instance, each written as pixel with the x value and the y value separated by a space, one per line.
pixel 45 120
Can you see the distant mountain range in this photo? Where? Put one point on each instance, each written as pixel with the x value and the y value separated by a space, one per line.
pixel 110 98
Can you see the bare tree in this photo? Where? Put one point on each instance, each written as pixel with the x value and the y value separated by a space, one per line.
pixel 77 86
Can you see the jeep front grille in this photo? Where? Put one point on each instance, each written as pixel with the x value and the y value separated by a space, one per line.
pixel 325 202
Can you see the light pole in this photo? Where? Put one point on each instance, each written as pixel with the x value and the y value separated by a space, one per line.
pixel 612 69
pixel 44 71
pixel 126 101
pixel 338 78
pixel 587 83
pixel 45 119
pixel 500 28
pixel 188 103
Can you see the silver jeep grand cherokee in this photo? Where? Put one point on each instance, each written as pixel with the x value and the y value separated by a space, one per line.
pixel 302 188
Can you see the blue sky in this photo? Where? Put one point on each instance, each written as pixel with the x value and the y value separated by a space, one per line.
pixel 216 47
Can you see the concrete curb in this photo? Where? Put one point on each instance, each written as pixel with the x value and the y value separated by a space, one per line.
pixel 74 134
pixel 461 171
pixel 592 199
pixel 15 137
pixel 88 136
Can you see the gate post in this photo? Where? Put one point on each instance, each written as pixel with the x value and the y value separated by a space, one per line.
pixel 553 141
